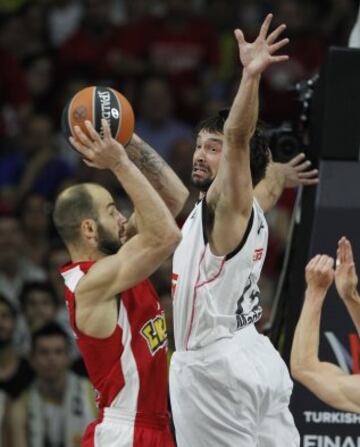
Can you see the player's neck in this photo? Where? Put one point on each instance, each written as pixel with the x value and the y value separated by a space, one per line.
pixel 85 254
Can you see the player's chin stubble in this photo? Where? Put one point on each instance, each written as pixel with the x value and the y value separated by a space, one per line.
pixel 107 244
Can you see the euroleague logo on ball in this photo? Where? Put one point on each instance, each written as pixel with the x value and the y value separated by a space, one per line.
pixel 80 113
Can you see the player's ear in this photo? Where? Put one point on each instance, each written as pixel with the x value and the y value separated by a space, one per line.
pixel 88 229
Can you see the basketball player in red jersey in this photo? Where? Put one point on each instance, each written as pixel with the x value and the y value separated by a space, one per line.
pixel 114 311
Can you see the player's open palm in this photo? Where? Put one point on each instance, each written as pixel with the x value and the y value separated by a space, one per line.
pixel 101 152
pixel 298 172
pixel 258 55
pixel 346 279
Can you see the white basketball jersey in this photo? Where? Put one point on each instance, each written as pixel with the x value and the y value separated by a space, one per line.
pixel 215 296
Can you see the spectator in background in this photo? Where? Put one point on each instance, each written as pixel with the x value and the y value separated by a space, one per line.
pixel 58 406
pixel 34 216
pixel 12 35
pixel 223 20
pixel 39 73
pixel 335 19
pixel 3 406
pixel 37 166
pixel 63 20
pixel 84 52
pixel 183 48
pixel 306 54
pixel 100 50
pixel 15 267
pixel 127 58
pixel 24 32
pixel 8 6
pixel 40 307
pixel 156 123
pixel 15 371
pixel 14 93
pixel 57 258
pixel 33 16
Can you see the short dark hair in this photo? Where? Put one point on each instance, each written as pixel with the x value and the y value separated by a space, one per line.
pixel 71 207
pixel 49 330
pixel 9 305
pixel 42 286
pixel 259 145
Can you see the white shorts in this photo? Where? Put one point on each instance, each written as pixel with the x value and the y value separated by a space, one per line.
pixel 121 429
pixel 233 393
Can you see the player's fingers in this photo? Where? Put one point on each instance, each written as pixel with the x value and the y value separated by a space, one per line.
pixel 329 263
pixel 81 148
pixel 106 129
pixel 239 36
pixel 338 262
pixel 341 249
pixel 309 182
pixel 275 34
pixel 276 46
pixel 309 174
pixel 296 160
pixel 92 132
pixel 80 135
pixel 265 26
pixel 89 163
pixel 349 257
pixel 277 59
pixel 303 166
pixel 313 262
pixel 352 270
pixel 324 261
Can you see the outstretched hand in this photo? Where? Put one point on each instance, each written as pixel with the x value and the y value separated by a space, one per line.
pixel 298 172
pixel 258 55
pixel 99 152
pixel 346 279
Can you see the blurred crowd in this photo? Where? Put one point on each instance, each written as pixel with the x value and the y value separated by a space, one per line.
pixel 177 62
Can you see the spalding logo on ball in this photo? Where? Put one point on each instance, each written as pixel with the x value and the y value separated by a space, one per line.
pixel 95 103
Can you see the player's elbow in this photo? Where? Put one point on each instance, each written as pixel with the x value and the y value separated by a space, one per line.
pixel 168 240
pixel 172 239
pixel 177 203
pixel 236 135
pixel 296 371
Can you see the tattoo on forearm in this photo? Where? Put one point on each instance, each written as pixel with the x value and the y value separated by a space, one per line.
pixel 148 161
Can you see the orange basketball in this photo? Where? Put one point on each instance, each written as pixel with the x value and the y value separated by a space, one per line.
pixel 95 103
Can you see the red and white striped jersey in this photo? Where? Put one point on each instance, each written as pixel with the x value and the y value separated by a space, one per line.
pixel 215 296
pixel 128 369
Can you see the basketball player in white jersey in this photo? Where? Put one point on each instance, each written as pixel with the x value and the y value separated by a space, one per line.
pixel 228 385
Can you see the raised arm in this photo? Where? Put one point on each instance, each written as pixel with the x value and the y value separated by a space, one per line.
pixel 230 196
pixel 280 176
pixel 346 280
pixel 159 173
pixel 326 380
pixel 157 231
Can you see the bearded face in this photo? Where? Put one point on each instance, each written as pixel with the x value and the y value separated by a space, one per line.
pixel 108 244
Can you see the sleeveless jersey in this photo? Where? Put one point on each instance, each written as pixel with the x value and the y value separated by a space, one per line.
pixel 215 296
pixel 128 369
